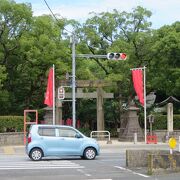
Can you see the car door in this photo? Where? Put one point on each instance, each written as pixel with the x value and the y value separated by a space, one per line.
pixel 48 138
pixel 69 143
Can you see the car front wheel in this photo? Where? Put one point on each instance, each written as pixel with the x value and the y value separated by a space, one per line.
pixel 36 154
pixel 89 153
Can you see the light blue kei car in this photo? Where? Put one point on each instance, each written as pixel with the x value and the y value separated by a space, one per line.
pixel 58 140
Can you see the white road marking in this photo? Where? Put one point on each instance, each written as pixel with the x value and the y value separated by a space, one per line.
pixel 125 169
pixel 143 175
pixel 26 168
pixel 39 165
pixel 83 172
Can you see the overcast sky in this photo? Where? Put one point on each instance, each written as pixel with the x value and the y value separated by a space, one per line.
pixel 164 11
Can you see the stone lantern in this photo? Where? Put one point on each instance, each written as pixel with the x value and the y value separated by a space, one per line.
pixel 131 125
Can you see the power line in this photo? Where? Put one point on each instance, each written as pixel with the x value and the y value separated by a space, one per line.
pixel 55 16
pixel 73 70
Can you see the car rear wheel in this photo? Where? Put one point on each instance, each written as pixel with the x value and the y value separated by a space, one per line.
pixel 36 154
pixel 89 153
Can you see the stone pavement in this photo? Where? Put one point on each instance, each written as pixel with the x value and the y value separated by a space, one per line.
pixel 113 147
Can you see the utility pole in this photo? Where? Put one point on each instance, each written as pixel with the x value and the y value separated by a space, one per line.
pixel 73 40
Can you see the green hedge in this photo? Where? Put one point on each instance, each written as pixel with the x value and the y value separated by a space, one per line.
pixel 85 131
pixel 160 122
pixel 11 123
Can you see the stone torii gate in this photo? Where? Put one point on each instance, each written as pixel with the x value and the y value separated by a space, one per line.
pixel 99 94
pixel 169 103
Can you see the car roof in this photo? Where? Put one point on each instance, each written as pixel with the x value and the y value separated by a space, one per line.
pixel 50 125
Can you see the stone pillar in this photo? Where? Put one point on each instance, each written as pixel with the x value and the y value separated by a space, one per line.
pixel 58 112
pixel 100 110
pixel 48 115
pixel 170 117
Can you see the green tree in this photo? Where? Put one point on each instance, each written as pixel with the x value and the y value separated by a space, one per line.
pixel 30 45
pixel 28 48
pixel 164 67
pixel 14 21
pixel 117 32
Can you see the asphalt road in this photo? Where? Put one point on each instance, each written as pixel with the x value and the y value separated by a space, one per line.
pixel 105 167
pixel 110 165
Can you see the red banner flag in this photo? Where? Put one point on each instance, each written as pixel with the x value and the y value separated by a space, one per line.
pixel 49 91
pixel 137 76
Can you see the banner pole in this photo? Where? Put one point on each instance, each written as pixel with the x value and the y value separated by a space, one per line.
pixel 53 95
pixel 144 92
pixel 145 120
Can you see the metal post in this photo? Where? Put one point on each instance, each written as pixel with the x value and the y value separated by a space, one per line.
pixel 73 80
pixel 135 138
pixel 145 121
pixel 53 95
pixel 179 143
pixel 145 118
pixel 74 55
pixel 151 128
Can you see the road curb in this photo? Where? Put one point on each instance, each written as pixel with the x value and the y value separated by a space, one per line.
pixel 8 150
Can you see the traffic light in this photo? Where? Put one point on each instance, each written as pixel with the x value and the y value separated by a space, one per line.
pixel 116 56
pixel 61 93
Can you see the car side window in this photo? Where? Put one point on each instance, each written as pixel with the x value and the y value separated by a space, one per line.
pixel 46 131
pixel 67 132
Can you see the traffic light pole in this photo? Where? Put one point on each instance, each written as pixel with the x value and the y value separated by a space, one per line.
pixel 74 55
pixel 110 56
pixel 91 56
pixel 74 80
pixel 74 75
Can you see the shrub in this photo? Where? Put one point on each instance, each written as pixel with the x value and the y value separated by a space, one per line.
pixel 161 122
pixel 11 123
pixel 176 120
pixel 85 131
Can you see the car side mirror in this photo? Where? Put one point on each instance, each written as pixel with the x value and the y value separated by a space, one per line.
pixel 78 135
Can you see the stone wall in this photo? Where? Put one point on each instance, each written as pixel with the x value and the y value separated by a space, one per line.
pixel 162 135
pixel 16 138
pixel 156 161
pixel 11 138
pixel 139 158
pixel 163 162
